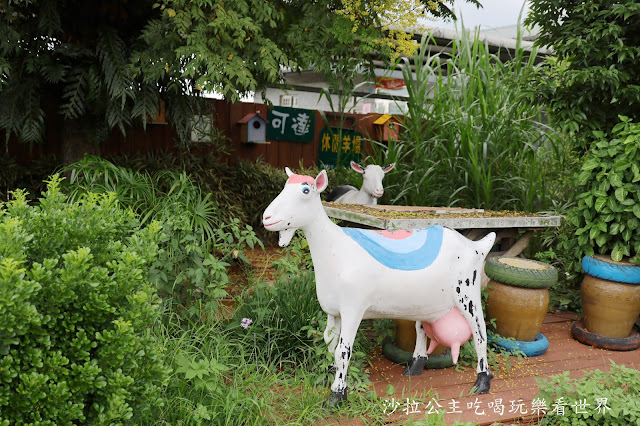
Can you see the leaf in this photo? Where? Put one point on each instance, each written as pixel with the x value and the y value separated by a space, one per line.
pixel 612 151
pixel 636 210
pixel 600 203
pixel 621 194
pixel 591 164
pixel 584 177
pixel 615 179
pixel 616 253
pixel 589 201
pixel 390 389
pixel 608 218
pixel 615 228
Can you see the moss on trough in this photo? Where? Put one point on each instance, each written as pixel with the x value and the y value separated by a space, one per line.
pixel 396 212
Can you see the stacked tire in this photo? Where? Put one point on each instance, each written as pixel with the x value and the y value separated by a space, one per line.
pixel 610 295
pixel 518 299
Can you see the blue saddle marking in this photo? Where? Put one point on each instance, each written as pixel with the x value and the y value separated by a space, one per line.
pixel 409 254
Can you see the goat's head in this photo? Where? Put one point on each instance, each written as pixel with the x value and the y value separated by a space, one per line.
pixel 296 206
pixel 372 177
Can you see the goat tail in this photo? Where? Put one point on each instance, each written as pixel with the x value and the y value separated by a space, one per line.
pixel 485 244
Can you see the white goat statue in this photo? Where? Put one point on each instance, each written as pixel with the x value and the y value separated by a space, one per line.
pixel 370 190
pixel 429 275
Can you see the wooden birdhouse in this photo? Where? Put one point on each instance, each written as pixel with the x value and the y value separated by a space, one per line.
pixel 387 127
pixel 253 128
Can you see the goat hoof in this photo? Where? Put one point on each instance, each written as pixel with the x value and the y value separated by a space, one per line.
pixel 483 383
pixel 416 366
pixel 336 400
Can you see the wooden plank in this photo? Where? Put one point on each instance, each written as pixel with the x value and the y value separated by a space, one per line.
pixel 253 150
pixel 283 155
pixel 221 121
pixel 273 148
pixel 491 220
pixel 295 154
pixel 361 219
pixel 476 222
pixel 419 209
pixel 517 384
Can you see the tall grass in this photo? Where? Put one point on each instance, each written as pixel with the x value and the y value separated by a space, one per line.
pixel 156 196
pixel 267 373
pixel 469 138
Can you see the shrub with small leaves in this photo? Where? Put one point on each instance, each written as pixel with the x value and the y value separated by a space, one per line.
pixel 597 398
pixel 76 308
pixel 608 212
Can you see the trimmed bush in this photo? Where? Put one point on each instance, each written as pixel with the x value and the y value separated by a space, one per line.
pixel 607 216
pixel 75 311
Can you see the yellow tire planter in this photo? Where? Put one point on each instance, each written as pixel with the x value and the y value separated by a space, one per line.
pixel 519 305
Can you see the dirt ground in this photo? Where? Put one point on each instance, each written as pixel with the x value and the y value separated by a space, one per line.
pixel 260 267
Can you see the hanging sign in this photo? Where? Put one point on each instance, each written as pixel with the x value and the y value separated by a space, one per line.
pixel 390 83
pixel 339 146
pixel 291 124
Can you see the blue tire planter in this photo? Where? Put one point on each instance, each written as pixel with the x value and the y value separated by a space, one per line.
pixel 539 346
pixel 627 274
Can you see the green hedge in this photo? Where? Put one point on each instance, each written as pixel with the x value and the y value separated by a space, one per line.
pixel 75 312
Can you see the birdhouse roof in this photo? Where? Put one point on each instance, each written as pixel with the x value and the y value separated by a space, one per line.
pixel 385 118
pixel 250 116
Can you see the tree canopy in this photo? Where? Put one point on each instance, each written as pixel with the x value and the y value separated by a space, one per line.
pixel 593 77
pixel 110 64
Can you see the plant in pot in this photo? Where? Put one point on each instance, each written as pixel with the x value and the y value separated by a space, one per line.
pixel 607 218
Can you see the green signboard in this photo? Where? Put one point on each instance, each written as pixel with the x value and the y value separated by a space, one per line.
pixel 339 145
pixel 291 124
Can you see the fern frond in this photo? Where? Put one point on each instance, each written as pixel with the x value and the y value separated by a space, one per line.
pixel 95 85
pixel 112 53
pixel 5 72
pixel 53 71
pixel 10 111
pixel 9 40
pixel 117 116
pixel 33 128
pixel 146 103
pixel 74 94
pixel 49 17
pixel 180 114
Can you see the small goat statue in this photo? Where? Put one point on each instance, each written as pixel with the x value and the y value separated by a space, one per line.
pixel 371 189
pixel 430 276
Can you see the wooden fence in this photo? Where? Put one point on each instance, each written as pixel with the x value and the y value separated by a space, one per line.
pixel 158 138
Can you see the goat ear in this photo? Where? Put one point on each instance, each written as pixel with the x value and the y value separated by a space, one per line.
pixel 322 181
pixel 357 167
pixel 289 172
pixel 388 168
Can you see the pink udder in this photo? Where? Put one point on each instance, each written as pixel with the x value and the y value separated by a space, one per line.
pixel 451 330
pixel 396 234
pixel 300 179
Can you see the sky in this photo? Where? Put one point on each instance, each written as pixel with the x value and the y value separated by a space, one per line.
pixel 493 14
